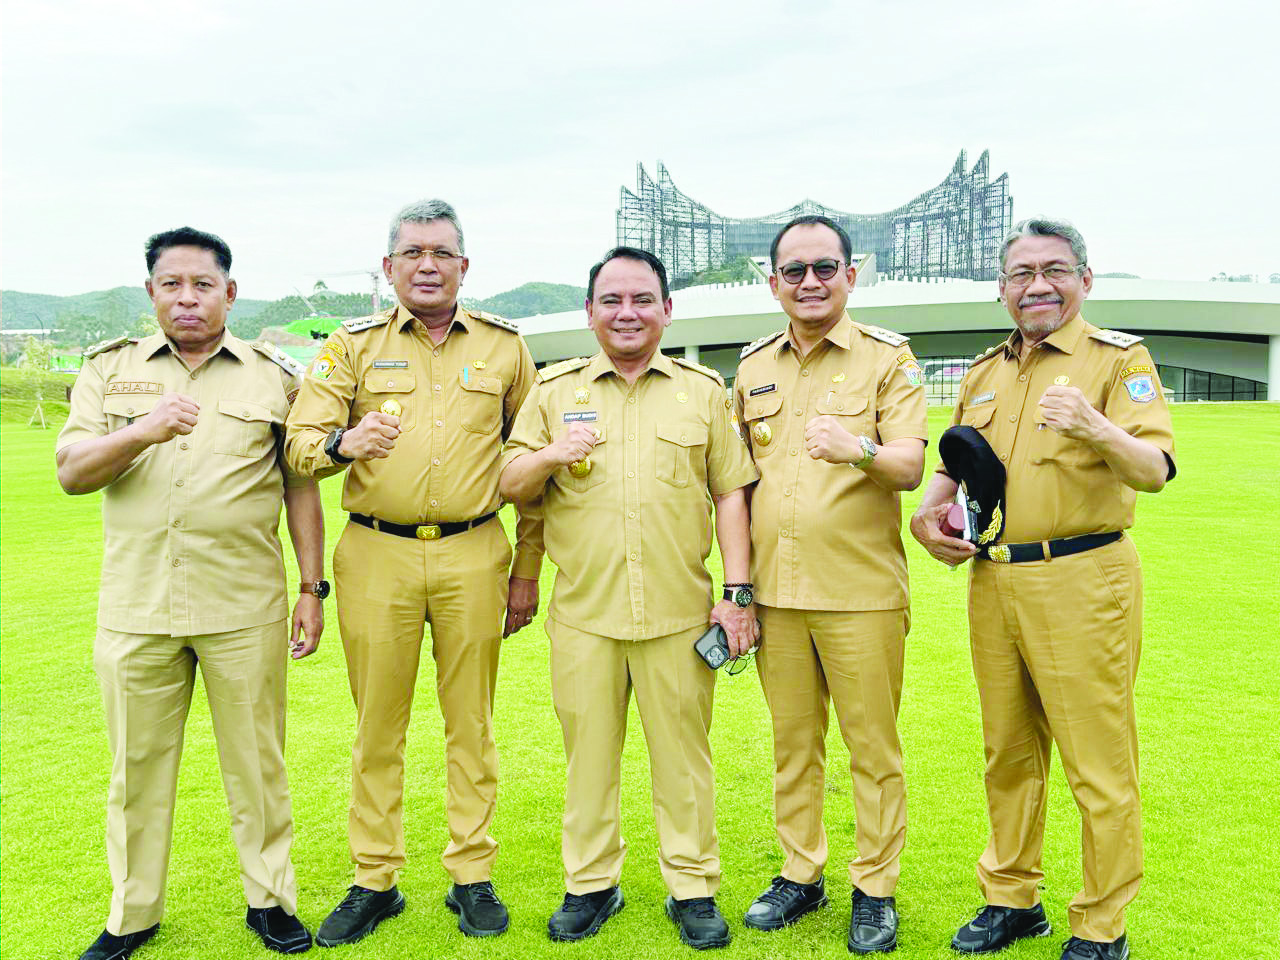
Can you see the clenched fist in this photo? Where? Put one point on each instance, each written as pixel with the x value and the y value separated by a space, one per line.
pixel 174 414
pixel 372 438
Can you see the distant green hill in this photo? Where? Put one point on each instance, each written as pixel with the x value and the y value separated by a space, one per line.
pixel 530 299
pixel 28 309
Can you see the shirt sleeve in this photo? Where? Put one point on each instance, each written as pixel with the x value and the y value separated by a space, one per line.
pixel 322 406
pixel 86 418
pixel 901 408
pixel 529 431
pixel 530 548
pixel 1135 402
pixel 729 464
pixel 292 384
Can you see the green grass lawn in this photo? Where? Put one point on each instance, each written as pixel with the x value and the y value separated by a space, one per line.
pixel 1207 701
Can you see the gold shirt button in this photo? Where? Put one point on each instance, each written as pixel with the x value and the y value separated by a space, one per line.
pixel 794 451
pixel 177 523
pixel 128 410
pixel 786 492
pixel 439 423
pixel 177 562
pixel 245 414
pixel 1022 376
pixel 437 386
pixel 435 503
pixel 631 399
pixel 183 445
pixel 633 556
pixel 631 514
pixel 1013 418
pixel 804 373
pixel 631 436
pixel 435 461
pixel 631 473
pixel 180 482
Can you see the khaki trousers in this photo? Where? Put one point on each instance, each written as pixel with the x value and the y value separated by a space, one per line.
pixel 147 681
pixel 387 588
pixel 591 682
pixel 1055 654
pixel 855 660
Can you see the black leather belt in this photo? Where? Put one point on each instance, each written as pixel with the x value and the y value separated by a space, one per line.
pixel 420 531
pixel 1024 552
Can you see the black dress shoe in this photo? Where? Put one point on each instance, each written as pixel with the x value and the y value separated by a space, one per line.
pixel 701 924
pixel 994 928
pixel 278 931
pixel 356 916
pixel 111 946
pixel 1078 949
pixel 582 915
pixel 785 902
pixel 873 924
pixel 480 912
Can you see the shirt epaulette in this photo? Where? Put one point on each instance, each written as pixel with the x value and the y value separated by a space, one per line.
pixel 706 371
pixel 1117 339
pixel 563 367
pixel 357 324
pixel 494 319
pixel 107 345
pixel 755 345
pixel 988 354
pixel 883 335
pixel 276 355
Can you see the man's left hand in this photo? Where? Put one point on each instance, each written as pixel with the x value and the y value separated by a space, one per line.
pixel 308 624
pixel 825 439
pixel 740 626
pixel 522 604
pixel 1066 410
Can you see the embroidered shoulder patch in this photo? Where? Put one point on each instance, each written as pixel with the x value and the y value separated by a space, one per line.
pixel 705 371
pixel 883 335
pixel 1142 389
pixel 755 345
pixel 1115 338
pixel 108 345
pixel 554 370
pixel 368 323
pixel 278 356
pixel 494 319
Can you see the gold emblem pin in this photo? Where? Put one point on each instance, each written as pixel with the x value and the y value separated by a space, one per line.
pixel 391 408
pixel 837 378
pixel 581 395
pixel 479 364
pixel 580 468
pixel 682 397
pixel 728 404
pixel 762 434
pixel 1062 380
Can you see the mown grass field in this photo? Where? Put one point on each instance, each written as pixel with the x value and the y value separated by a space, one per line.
pixel 1207 700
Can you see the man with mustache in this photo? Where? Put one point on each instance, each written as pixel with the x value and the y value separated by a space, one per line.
pixel 1078 419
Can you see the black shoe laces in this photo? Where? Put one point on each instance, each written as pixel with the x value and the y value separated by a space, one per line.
pixel 577 902
pixel 355 898
pixel 704 908
pixel 483 892
pixel 1085 948
pixel 780 891
pixel 869 910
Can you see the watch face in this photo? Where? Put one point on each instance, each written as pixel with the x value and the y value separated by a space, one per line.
pixel 322 589
pixel 745 596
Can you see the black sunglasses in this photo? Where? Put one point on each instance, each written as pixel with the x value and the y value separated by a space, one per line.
pixel 823 269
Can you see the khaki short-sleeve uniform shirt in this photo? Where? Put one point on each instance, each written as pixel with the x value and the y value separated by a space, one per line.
pixel 1056 486
pixel 824 536
pixel 190 528
pixel 456 401
pixel 631 536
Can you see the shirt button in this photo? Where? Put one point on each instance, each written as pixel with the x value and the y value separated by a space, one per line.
pixel 437 386
pixel 435 461
pixel 631 473
pixel 128 410
pixel 180 482
pixel 193 374
pixel 786 492
pixel 177 523
pixel 1004 456
pixel 631 436
pixel 631 399
pixel 786 533
pixel 177 562
pixel 435 503
pixel 633 556
pixel 183 445
pixel 683 438
pixel 1013 418
pixel 631 514
pixel 439 423
pixel 793 451
pixel 804 373
pixel 799 412
pixel 1022 376
pixel 435 353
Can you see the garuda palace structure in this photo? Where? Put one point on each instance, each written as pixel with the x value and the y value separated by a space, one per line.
pixel 952 230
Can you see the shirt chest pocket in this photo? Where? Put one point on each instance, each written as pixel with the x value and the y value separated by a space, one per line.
pixel 481 400
pixel 979 418
pixel 122 409
pixel 244 429
pixel 584 474
pixel 762 423
pixel 680 452
pixel 389 392
pixel 853 410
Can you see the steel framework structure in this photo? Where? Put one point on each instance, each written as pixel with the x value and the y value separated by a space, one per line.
pixel 952 230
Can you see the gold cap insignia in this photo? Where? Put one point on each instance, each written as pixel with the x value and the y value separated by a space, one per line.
pixel 1062 380
pixel 761 434
pixel 391 408
pixel 580 468
pixel 581 395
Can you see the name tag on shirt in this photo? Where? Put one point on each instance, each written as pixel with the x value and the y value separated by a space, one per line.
pixel 767 388
pixel 581 416
pixel 982 398
pixel 389 364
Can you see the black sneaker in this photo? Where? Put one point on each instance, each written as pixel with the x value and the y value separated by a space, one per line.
pixel 1078 949
pixel 701 924
pixel 994 928
pixel 582 915
pixel 480 912
pixel 873 924
pixel 360 911
pixel 278 931
pixel 784 903
pixel 111 946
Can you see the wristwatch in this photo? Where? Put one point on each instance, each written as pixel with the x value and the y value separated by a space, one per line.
pixel 869 451
pixel 739 593
pixel 331 444
pixel 319 587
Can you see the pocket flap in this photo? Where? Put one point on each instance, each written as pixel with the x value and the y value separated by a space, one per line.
pixel 489 385
pixel 683 434
pixel 388 381
pixel 978 416
pixel 763 406
pixel 842 405
pixel 129 405
pixel 245 410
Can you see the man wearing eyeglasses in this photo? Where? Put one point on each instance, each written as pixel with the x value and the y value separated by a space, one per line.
pixel 416 401
pixel 627 452
pixel 1078 418
pixel 835 415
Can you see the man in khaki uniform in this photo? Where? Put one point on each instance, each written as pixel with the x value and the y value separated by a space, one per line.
pixel 1078 418
pixel 417 399
pixel 835 414
pixel 182 431
pixel 627 451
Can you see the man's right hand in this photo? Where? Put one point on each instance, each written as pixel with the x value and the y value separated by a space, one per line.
pixel 574 444
pixel 926 528
pixel 372 438
pixel 174 414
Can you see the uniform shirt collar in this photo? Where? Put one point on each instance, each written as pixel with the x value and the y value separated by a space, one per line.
pixel 601 364
pixel 1065 339
pixel 841 334
pixel 403 318
pixel 230 344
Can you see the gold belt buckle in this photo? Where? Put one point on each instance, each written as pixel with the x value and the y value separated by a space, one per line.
pixel 1000 554
pixel 429 531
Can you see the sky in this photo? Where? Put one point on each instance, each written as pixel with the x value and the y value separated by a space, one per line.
pixel 296 131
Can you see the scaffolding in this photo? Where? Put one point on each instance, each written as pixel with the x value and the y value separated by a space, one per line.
pixel 952 230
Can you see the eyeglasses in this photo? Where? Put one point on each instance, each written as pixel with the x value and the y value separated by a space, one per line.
pixel 441 257
pixel 795 271
pixel 1055 275
pixel 738 664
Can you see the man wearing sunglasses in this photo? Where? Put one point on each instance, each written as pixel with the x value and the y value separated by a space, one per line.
pixel 1078 418
pixel 627 452
pixel 416 401
pixel 834 412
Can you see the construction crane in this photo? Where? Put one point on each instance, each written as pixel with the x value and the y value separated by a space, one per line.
pixel 375 277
